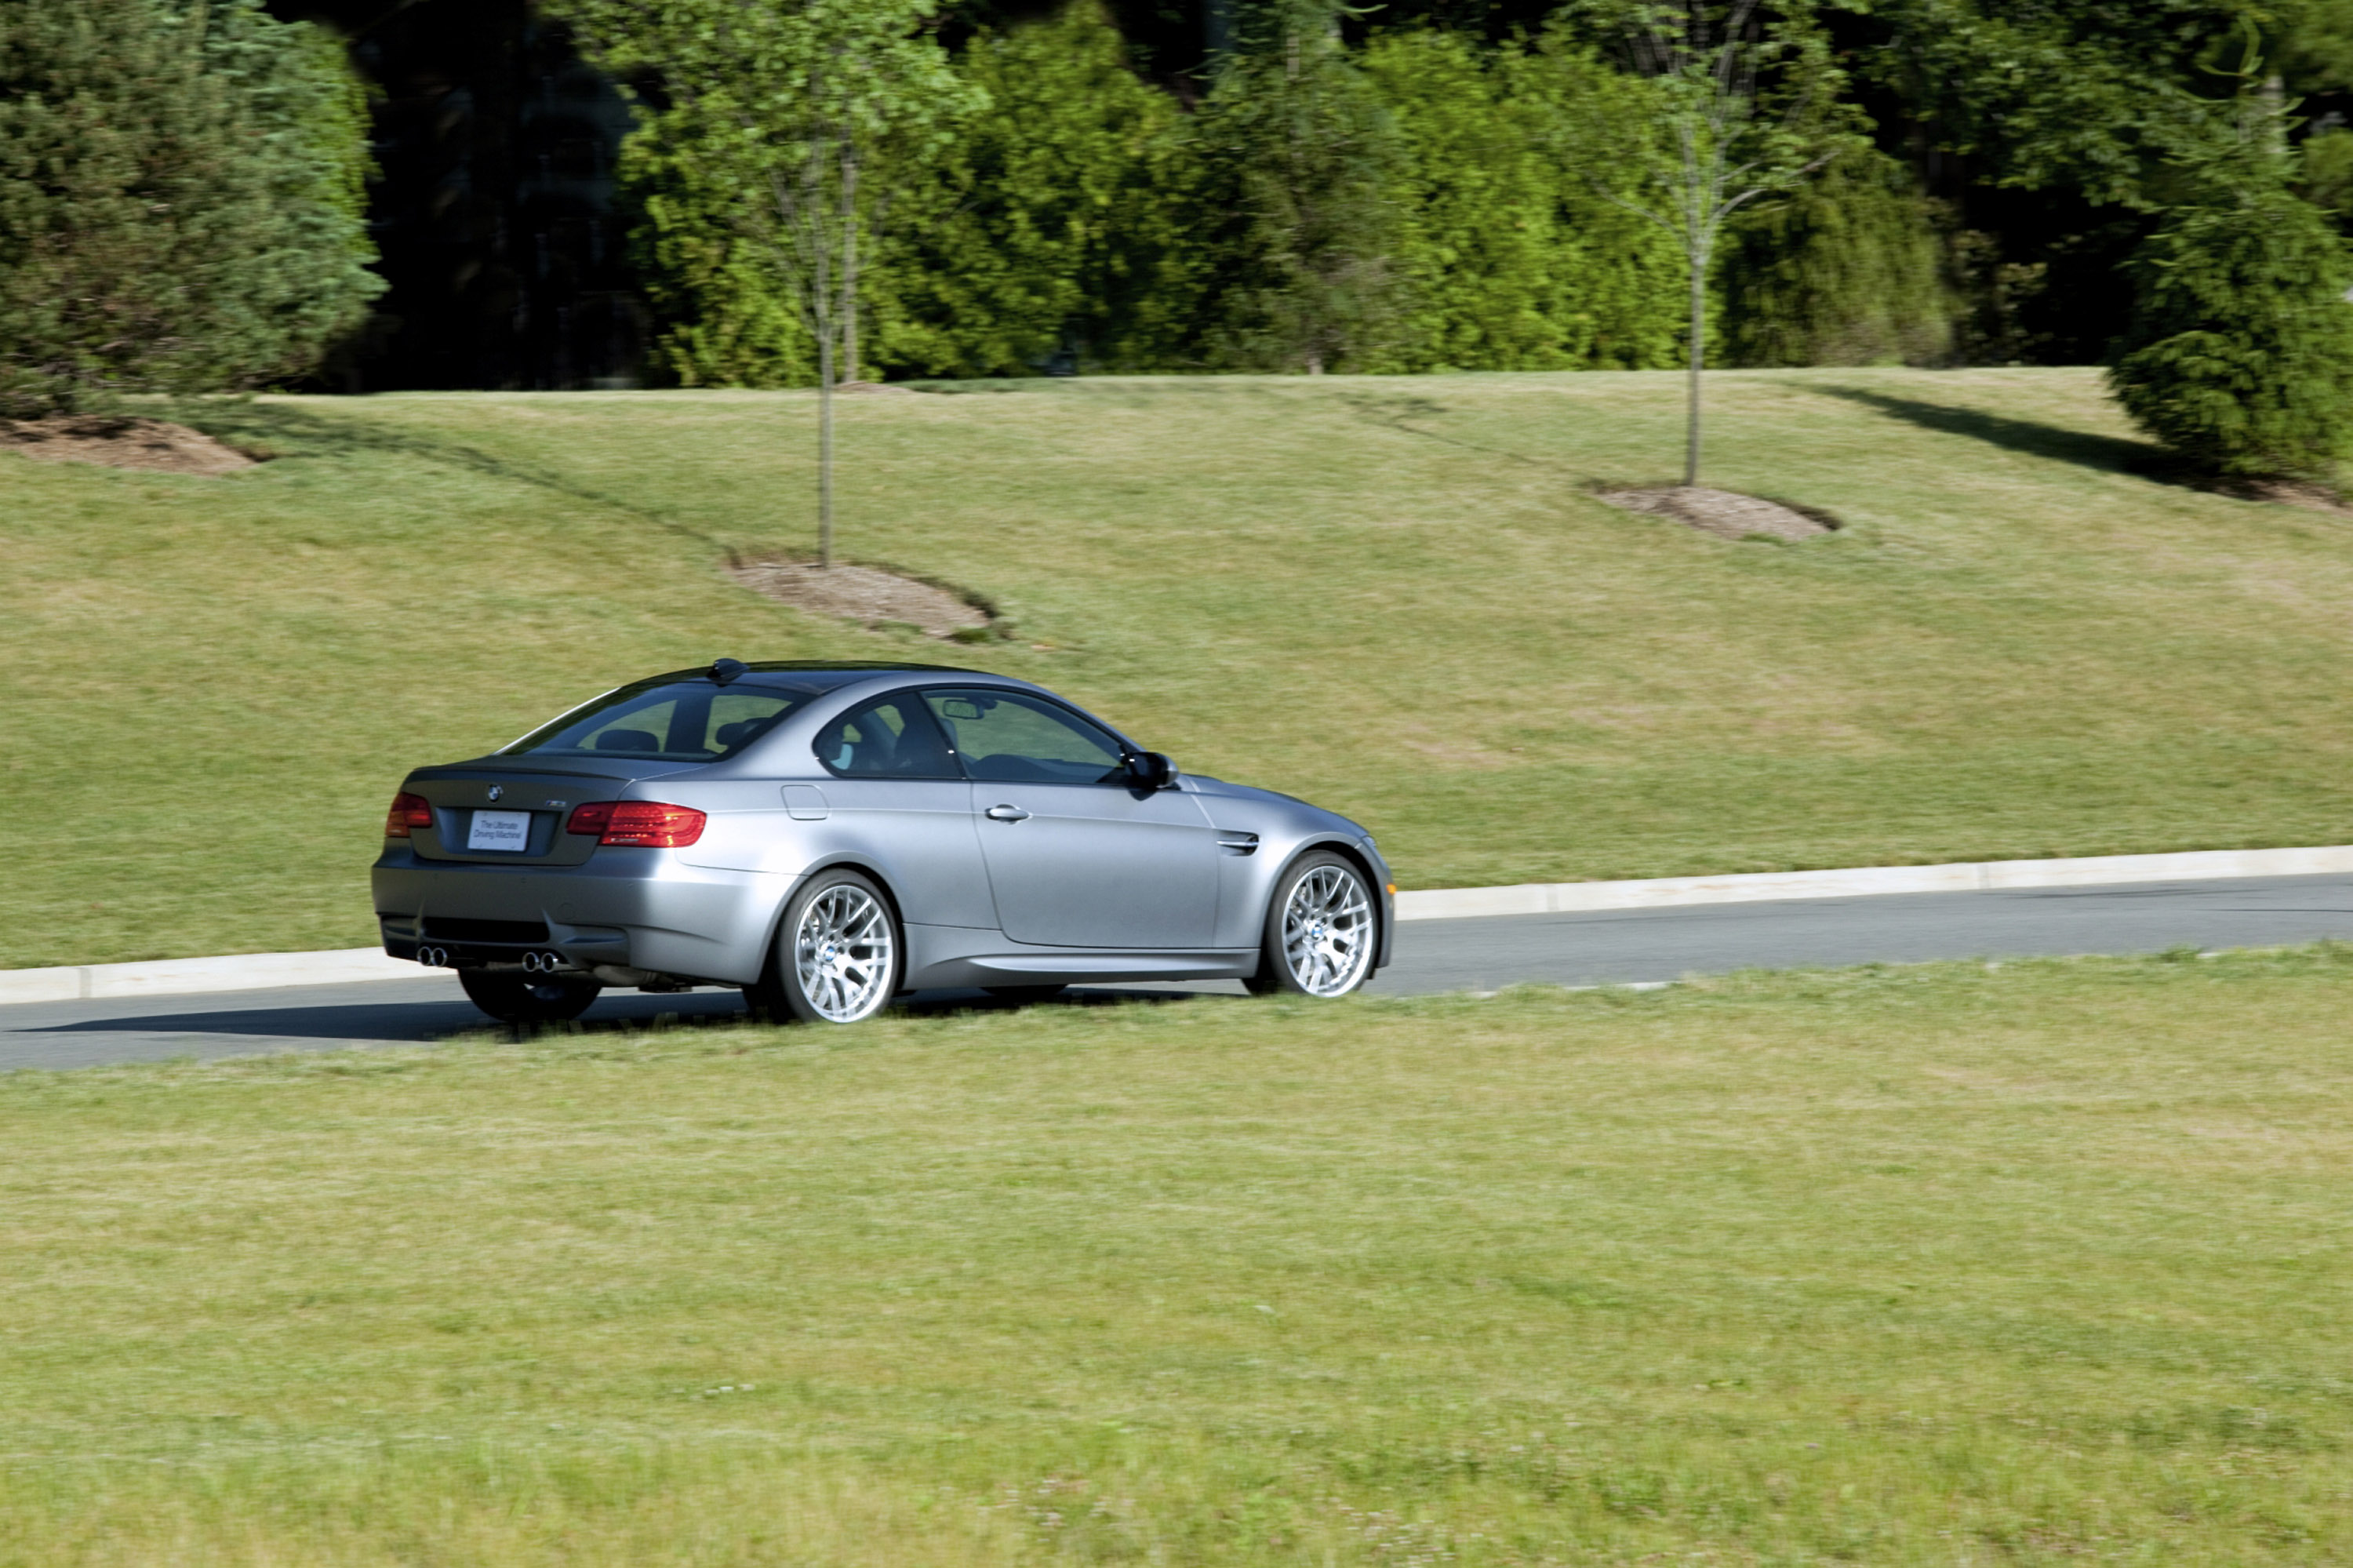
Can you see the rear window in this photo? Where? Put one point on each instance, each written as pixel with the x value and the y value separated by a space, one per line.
pixel 678 721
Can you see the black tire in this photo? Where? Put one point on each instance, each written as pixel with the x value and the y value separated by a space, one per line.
pixel 1024 994
pixel 875 952
pixel 528 998
pixel 1356 933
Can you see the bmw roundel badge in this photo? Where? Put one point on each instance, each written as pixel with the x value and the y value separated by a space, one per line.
pixel 497 791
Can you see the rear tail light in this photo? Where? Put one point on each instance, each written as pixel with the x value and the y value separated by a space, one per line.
pixel 409 813
pixel 590 817
pixel 644 824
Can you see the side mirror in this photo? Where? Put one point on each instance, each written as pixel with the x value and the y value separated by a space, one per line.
pixel 1150 770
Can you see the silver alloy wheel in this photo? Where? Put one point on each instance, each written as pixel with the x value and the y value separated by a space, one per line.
pixel 843 954
pixel 1327 931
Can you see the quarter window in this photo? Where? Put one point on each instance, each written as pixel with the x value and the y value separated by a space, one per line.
pixel 1019 738
pixel 674 722
pixel 892 738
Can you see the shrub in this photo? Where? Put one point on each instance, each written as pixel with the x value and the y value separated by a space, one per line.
pixel 1847 269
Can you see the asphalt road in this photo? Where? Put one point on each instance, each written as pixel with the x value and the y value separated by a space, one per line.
pixel 1431 956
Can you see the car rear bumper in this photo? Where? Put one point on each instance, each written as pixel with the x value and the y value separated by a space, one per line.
pixel 628 909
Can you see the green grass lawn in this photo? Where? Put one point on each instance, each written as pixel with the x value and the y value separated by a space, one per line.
pixel 1950 1265
pixel 1392 595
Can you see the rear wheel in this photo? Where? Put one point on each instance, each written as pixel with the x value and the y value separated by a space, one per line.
pixel 1024 994
pixel 527 999
pixel 838 956
pixel 1321 927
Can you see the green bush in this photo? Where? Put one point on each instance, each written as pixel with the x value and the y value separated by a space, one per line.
pixel 1848 269
pixel 180 196
pixel 724 317
pixel 2239 356
pixel 1513 259
pixel 1056 221
pixel 1300 164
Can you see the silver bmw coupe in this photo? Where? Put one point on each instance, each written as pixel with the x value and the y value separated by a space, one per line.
pixel 826 837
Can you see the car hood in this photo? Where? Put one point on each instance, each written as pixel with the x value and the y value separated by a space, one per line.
pixel 1203 784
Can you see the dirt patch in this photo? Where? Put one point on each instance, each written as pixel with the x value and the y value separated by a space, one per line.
pixel 866 593
pixel 114 442
pixel 1722 512
pixel 2306 495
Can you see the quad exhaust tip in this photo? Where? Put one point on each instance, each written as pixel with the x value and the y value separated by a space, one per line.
pixel 433 957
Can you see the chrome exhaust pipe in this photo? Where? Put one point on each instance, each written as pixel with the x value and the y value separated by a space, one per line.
pixel 544 963
pixel 433 958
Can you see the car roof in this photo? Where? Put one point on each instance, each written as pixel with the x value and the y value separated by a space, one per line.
pixel 815 666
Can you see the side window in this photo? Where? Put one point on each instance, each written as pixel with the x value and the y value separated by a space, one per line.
pixel 1017 738
pixel 890 738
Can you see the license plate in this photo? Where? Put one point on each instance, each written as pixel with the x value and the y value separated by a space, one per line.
pixel 500 830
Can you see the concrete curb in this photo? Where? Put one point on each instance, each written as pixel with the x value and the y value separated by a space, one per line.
pixel 1972 876
pixel 188 977
pixel 263 972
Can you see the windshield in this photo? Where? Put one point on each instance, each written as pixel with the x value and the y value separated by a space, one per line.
pixel 667 721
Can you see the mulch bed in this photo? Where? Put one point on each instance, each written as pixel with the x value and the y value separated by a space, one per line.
pixel 115 441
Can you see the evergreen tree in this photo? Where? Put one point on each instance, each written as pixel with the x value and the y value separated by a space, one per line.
pixel 179 200
pixel 2239 356
pixel 1847 270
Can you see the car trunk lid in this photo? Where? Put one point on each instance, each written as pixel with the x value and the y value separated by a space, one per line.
pixel 497 813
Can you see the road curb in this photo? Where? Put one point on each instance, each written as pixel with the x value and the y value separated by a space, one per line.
pixel 264 971
pixel 1969 876
pixel 190 977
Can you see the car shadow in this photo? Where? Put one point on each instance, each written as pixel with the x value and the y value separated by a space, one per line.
pixel 423 1022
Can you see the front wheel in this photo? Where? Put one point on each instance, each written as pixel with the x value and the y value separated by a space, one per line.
pixel 1322 927
pixel 838 954
pixel 527 999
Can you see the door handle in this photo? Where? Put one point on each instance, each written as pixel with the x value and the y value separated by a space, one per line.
pixel 1006 814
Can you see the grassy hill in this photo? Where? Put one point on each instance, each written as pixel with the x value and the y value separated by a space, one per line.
pixel 1938 1266
pixel 1392 595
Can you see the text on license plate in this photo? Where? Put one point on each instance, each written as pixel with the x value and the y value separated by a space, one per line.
pixel 500 830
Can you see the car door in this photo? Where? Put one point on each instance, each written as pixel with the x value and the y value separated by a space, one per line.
pixel 1077 857
pixel 897 798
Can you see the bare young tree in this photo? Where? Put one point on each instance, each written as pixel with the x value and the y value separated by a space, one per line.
pixel 808 223
pixel 1738 111
pixel 791 107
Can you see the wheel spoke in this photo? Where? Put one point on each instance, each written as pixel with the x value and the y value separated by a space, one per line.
pixel 1326 921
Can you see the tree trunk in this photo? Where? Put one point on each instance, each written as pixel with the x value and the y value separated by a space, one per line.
pixel 848 261
pixel 825 447
pixel 1698 358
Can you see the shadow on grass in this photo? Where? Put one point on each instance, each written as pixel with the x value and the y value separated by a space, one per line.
pixel 2112 454
pixel 277 430
pixel 428 1021
pixel 1390 410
